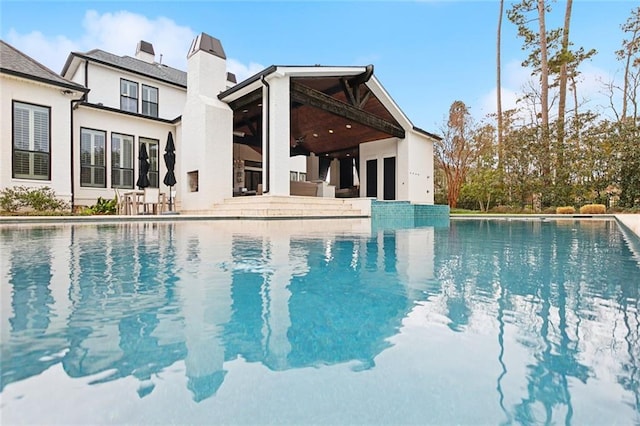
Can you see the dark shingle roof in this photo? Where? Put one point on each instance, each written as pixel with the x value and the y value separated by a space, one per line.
pixel 14 62
pixel 127 63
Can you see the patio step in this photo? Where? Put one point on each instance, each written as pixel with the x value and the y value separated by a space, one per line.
pixel 288 207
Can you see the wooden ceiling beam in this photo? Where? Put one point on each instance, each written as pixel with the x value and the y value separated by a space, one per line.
pixel 245 100
pixel 248 140
pixel 316 99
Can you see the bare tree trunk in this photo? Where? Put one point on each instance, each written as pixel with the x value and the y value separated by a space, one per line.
pixel 499 86
pixel 544 93
pixel 629 49
pixel 562 99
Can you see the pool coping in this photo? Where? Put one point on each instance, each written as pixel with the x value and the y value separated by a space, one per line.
pixel 631 222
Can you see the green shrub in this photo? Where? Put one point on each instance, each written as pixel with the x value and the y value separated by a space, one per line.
pixel 102 206
pixel 565 210
pixel 36 199
pixel 593 209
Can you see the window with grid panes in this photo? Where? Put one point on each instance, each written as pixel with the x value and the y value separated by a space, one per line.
pixel 121 161
pixel 93 172
pixel 128 95
pixel 149 101
pixel 31 142
pixel 154 158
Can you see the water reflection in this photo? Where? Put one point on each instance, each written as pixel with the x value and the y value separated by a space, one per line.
pixel 132 300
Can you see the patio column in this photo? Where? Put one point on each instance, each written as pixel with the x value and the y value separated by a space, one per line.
pixel 313 167
pixel 335 173
pixel 276 174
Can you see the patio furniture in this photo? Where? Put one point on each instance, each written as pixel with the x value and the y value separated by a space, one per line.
pixel 121 203
pixel 132 201
pixel 152 201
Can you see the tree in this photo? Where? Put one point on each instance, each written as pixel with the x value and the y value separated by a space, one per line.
pixel 538 42
pixel 625 133
pixel 499 85
pixel 630 54
pixel 457 150
pixel 555 65
pixel 562 172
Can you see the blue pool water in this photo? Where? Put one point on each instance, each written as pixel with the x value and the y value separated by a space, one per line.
pixel 320 322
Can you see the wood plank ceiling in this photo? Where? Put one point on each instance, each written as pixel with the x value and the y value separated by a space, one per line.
pixel 330 116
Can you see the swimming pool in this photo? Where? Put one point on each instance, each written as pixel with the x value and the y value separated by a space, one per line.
pixel 320 322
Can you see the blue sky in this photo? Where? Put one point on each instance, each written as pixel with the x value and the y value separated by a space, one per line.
pixel 427 54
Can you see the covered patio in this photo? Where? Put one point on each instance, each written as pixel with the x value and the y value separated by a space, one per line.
pixel 339 118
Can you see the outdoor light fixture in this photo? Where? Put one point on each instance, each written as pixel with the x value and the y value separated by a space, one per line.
pixel 315 135
pixel 330 130
pixel 348 126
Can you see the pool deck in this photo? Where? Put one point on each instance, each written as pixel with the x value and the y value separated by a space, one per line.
pixel 631 221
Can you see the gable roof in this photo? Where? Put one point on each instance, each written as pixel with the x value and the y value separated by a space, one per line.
pixel 14 62
pixel 156 71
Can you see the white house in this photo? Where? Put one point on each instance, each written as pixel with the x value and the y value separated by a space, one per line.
pixel 35 123
pixel 281 132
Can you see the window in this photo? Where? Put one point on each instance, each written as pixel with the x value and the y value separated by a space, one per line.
pixel 92 158
pixel 128 95
pixel 293 175
pixel 149 101
pixel 152 150
pixel 303 176
pixel 121 161
pixel 31 145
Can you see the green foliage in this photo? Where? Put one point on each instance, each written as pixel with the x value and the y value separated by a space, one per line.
pixel 102 206
pixel 35 199
pixel 586 157
pixel 629 174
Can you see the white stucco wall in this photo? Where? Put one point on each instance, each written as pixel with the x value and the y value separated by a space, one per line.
pixel 105 88
pixel 279 134
pixel 207 135
pixel 419 168
pixel 32 92
pixel 298 164
pixel 414 166
pixel 377 150
pixel 92 118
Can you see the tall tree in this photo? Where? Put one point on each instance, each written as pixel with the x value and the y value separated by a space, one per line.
pixel 457 150
pixel 630 54
pixel 565 57
pixel 499 85
pixel 538 42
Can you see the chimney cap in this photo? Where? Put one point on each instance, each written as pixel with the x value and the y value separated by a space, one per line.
pixel 145 46
pixel 208 44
